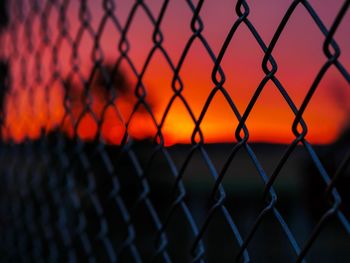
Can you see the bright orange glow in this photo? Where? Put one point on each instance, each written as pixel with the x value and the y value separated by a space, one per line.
pixel 298 53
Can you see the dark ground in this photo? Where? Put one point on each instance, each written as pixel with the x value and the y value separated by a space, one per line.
pixel 75 191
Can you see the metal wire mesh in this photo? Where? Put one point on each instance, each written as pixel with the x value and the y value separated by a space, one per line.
pixel 65 198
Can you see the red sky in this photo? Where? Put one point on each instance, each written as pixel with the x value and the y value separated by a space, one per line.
pixel 298 54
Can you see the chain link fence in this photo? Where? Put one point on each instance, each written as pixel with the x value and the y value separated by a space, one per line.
pixel 88 173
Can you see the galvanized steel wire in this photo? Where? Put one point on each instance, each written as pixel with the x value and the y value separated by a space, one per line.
pixel 36 230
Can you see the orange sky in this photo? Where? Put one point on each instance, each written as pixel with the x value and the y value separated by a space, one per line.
pixel 298 54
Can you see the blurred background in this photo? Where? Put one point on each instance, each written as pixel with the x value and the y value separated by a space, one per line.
pixel 115 135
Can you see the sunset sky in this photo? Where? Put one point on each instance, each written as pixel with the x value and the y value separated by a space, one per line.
pixel 298 54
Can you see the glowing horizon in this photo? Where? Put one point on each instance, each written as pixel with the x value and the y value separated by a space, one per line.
pixel 298 54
